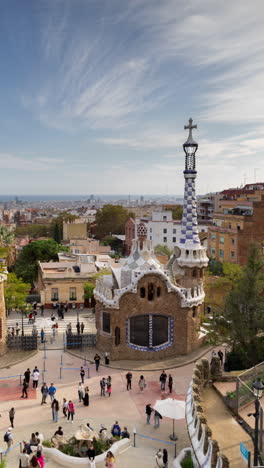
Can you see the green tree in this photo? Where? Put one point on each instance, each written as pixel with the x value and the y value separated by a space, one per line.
pixel 34 230
pixel 6 236
pixel 162 250
pixel 245 305
pixel 59 220
pixel 15 291
pixel 111 219
pixel 177 212
pixel 57 233
pixel 26 266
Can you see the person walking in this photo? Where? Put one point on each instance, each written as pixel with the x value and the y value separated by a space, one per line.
pixel 27 375
pixel 157 417
pixel 8 438
pixel 71 411
pixel 82 374
pixel 165 458
pixel 44 391
pixel 91 456
pixel 78 327
pixel 110 460
pixel 109 385
pixel 116 430
pixel 42 310
pixel 129 380
pixel 52 391
pixel 141 383
pixel 17 329
pixel 82 327
pixel 102 385
pixel 148 412
pixel 80 392
pixel 24 389
pixel 86 400
pixel 24 459
pixel 170 383
pixel 12 416
pixel 65 407
pixel 97 360
pixel 106 356
pixel 35 375
pixel 34 462
pixel 55 410
pixel 42 334
pixel 163 378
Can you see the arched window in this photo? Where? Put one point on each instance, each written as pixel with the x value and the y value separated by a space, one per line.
pixel 149 330
pixel 158 291
pixel 194 313
pixel 106 322
pixel 150 291
pixel 142 292
pixel 117 336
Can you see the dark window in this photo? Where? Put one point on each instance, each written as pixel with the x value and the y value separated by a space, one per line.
pixel 1 329
pixel 164 239
pixel 159 330
pixel 150 292
pixel 142 292
pixel 117 336
pixel 106 322
pixel 164 231
pixel 139 330
pixel 158 291
pixel 194 312
pixel 194 273
pixel 174 239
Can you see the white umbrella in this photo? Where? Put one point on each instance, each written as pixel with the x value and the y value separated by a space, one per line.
pixel 170 408
pixel 45 322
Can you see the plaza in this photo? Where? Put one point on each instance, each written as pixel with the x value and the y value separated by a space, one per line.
pixel 128 407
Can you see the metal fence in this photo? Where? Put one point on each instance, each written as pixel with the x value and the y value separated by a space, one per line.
pixel 73 340
pixel 26 342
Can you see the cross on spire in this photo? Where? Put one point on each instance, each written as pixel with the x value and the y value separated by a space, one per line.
pixel 190 127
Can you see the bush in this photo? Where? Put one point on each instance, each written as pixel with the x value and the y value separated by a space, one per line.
pixel 187 462
pixel 68 449
pixel 3 463
pixel 47 443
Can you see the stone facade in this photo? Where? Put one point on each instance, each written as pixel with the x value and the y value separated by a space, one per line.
pixel 184 322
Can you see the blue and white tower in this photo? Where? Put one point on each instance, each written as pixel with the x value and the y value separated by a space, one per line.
pixel 189 251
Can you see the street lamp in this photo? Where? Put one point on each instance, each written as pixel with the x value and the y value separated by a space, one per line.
pixel 258 388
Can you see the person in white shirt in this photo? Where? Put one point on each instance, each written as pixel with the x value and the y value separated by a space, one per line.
pixel 39 436
pixel 35 375
pixel 24 459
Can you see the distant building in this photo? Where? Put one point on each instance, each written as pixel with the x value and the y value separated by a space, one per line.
pixel 238 222
pixel 161 229
pixel 63 281
pixel 206 205
pixel 81 245
pixel 75 228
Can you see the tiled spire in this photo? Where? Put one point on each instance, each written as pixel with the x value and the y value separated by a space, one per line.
pixel 189 228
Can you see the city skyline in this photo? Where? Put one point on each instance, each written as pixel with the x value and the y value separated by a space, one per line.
pixel 95 94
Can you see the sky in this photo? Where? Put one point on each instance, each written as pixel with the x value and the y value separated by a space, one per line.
pixel 94 95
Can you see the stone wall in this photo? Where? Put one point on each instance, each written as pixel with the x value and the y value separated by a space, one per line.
pixel 185 322
pixel 2 317
pixel 206 449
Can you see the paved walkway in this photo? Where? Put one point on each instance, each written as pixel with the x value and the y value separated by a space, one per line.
pixel 224 427
pixel 126 406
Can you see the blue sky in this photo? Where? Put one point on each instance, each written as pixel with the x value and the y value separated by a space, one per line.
pixel 94 94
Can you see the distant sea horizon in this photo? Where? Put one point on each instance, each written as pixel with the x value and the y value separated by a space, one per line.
pixel 32 198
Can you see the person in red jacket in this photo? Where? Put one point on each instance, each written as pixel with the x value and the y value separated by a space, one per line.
pixel 71 411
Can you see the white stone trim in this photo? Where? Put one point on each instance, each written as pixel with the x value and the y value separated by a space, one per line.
pixel 66 461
